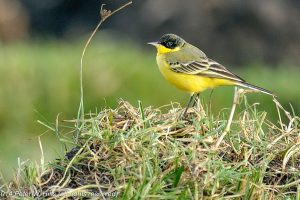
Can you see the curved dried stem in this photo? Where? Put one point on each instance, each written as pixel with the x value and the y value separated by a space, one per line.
pixel 104 14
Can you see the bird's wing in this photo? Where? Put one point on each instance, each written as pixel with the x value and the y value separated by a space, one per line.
pixel 205 67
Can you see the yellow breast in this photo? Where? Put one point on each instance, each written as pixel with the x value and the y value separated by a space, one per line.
pixel 187 82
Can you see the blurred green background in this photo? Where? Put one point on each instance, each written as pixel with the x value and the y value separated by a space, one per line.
pixel 40 61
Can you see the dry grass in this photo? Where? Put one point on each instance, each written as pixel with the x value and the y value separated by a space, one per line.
pixel 137 153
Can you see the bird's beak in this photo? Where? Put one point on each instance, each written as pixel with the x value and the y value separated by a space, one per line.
pixel 154 43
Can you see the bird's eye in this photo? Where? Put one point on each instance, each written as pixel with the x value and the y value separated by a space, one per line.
pixel 170 44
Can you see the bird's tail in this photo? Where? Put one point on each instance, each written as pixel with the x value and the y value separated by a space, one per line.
pixel 256 88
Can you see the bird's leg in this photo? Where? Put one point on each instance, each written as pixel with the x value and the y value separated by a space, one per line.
pixel 198 105
pixel 192 98
pixel 196 100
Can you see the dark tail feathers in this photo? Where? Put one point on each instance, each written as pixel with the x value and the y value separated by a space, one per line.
pixel 256 88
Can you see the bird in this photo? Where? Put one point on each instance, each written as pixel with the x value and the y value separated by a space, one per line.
pixel 189 69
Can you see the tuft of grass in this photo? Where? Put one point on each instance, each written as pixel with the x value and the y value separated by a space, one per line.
pixel 149 153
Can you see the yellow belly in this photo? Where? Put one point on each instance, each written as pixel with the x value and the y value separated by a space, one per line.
pixel 190 83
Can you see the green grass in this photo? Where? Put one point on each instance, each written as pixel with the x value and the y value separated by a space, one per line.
pixel 146 153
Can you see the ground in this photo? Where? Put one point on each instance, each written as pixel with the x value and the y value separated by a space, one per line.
pixel 152 153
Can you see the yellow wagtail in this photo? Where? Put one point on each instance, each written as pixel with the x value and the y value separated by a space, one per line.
pixel 189 69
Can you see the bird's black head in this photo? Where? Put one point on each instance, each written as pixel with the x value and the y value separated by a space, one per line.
pixel 171 41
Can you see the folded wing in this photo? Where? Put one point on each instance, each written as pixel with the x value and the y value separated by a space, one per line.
pixel 212 69
pixel 208 68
